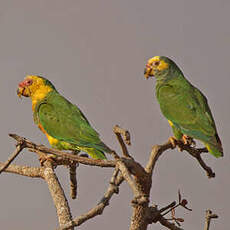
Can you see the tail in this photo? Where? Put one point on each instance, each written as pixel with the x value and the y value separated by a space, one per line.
pixel 214 146
pixel 94 153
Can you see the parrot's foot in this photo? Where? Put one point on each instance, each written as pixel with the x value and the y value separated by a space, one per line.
pixel 188 141
pixel 173 141
pixel 49 157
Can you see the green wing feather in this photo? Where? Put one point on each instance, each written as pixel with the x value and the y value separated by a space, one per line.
pixel 187 108
pixel 65 122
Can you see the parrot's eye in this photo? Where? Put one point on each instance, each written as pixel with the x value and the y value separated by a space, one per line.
pixel 28 82
pixel 156 63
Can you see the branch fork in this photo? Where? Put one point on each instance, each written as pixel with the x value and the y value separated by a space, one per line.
pixel 139 179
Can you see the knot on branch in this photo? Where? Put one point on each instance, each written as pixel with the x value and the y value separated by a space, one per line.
pixel 115 187
pixel 140 200
pixel 153 214
pixel 210 215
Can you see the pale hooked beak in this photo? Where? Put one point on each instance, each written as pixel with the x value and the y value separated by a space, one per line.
pixel 20 92
pixel 147 71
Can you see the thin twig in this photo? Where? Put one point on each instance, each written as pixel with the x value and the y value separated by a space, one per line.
pixel 168 207
pixel 20 146
pixel 154 216
pixel 118 132
pixel 73 181
pixel 168 224
pixel 157 150
pixel 208 170
pixel 196 153
pixel 209 215
pixel 73 178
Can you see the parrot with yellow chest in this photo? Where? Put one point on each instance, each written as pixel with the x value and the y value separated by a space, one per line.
pixel 62 122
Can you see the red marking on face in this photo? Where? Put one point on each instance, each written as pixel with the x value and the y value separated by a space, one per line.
pixel 148 66
pixel 26 82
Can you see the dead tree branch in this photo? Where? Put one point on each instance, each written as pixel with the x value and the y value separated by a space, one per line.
pixel 24 170
pixel 196 153
pixel 57 193
pixel 73 178
pixel 157 150
pixel 126 135
pixel 126 168
pixel 19 147
pixel 64 155
pixel 115 182
pixel 168 224
pixel 209 215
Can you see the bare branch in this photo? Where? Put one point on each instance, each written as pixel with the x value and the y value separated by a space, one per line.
pixel 168 207
pixel 124 133
pixel 73 181
pixel 157 150
pixel 140 186
pixel 138 178
pixel 99 208
pixel 154 216
pixel 208 170
pixel 19 147
pixel 208 217
pixel 118 132
pixel 68 156
pixel 57 193
pixel 73 178
pixel 196 153
pixel 24 170
pixel 127 176
pixel 168 224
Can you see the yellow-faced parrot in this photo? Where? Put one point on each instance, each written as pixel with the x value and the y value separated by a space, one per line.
pixel 184 106
pixel 64 124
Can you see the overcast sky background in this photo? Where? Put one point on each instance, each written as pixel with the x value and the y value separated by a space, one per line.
pixel 94 52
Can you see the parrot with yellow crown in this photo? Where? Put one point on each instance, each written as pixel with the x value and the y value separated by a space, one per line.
pixel 62 122
pixel 184 106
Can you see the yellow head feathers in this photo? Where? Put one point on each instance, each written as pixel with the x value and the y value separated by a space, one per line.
pixel 35 87
pixel 154 65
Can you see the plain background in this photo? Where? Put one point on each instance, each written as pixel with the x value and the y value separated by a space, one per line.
pixel 94 52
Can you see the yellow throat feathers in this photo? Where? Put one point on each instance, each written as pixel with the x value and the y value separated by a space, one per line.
pixel 38 94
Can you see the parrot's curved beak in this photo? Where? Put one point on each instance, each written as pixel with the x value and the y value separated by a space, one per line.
pixel 23 88
pixel 148 71
pixel 20 91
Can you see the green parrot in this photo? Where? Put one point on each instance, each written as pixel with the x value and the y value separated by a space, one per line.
pixel 185 107
pixel 64 124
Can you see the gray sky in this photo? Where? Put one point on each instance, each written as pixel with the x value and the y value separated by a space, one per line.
pixel 94 52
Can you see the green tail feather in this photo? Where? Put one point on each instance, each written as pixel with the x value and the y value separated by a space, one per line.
pixel 94 153
pixel 214 150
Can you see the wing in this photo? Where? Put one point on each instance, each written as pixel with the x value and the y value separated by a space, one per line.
pixel 188 109
pixel 65 122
